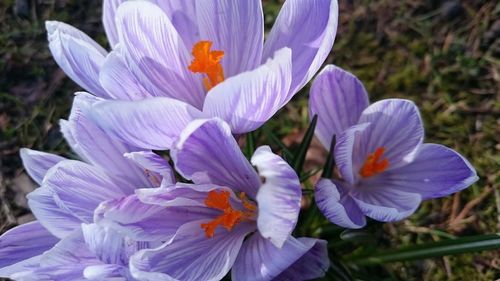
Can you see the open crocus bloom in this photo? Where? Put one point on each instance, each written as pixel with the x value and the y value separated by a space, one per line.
pixel 226 203
pixel 385 168
pixel 69 193
pixel 202 57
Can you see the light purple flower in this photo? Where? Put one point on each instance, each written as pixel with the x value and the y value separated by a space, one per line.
pixel 69 193
pixel 385 167
pixel 151 57
pixel 226 203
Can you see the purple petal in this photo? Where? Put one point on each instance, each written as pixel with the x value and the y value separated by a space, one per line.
pixel 156 53
pixel 22 243
pixel 395 125
pixel 278 198
pixel 58 221
pixel 79 188
pixel 182 14
pixel 338 98
pixel 237 28
pixel 385 203
pixel 338 207
pixel 152 123
pixel 312 265
pixel 249 99
pixel 109 8
pixel 105 272
pixel 156 167
pixel 436 171
pixel 260 260
pixel 308 27
pixel 191 255
pixel 106 244
pixel 117 79
pixel 345 150
pixel 98 147
pixel 37 163
pixel 207 152
pixel 79 56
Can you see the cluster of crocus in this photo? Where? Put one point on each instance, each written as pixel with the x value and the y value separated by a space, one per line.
pixel 189 77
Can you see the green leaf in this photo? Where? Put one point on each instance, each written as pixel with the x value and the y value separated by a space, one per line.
pixel 300 157
pixel 287 155
pixel 250 145
pixel 431 250
pixel 330 160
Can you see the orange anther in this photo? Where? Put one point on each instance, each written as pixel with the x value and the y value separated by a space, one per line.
pixel 207 62
pixel 373 165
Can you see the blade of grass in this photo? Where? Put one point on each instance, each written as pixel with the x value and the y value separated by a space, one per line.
pixel 300 157
pixel 330 160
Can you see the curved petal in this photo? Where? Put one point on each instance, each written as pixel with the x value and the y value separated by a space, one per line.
pixel 37 163
pixel 156 53
pixel 278 198
pixel 79 188
pixel 236 28
pixel 191 255
pixel 152 123
pixel 22 243
pixel 436 171
pixel 117 79
pixel 249 99
pixel 79 56
pixel 157 168
pixel 109 8
pixel 338 98
pixel 384 203
pixel 261 260
pixel 338 207
pixel 182 14
pixel 345 150
pixel 395 125
pixel 308 27
pixel 207 152
pixel 99 148
pixel 58 221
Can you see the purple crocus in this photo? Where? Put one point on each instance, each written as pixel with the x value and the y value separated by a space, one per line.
pixel 194 59
pixel 227 202
pixel 69 193
pixel 386 170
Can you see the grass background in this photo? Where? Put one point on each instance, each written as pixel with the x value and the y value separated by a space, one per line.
pixel 443 55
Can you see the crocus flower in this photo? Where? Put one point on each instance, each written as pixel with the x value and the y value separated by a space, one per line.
pixel 386 170
pixel 69 193
pixel 227 202
pixel 195 58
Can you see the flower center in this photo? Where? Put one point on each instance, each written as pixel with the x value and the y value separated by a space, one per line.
pixel 230 217
pixel 373 164
pixel 207 62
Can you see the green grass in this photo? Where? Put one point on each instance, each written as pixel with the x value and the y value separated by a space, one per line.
pixel 445 60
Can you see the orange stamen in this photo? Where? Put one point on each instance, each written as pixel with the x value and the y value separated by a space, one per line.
pixel 373 165
pixel 220 200
pixel 207 62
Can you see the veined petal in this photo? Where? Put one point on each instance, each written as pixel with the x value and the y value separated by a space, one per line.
pixel 338 98
pixel 337 205
pixel 22 243
pixel 207 152
pixel 156 53
pixel 346 148
pixel 308 27
pixel 436 171
pixel 395 125
pixel 156 167
pixel 107 245
pixel 105 272
pixel 97 147
pixel 152 123
pixel 37 163
pixel 261 260
pixel 182 14
pixel 117 79
pixel 191 256
pixel 109 8
pixel 235 27
pixel 248 100
pixel 79 188
pixel 278 198
pixel 79 56
pixel 58 221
